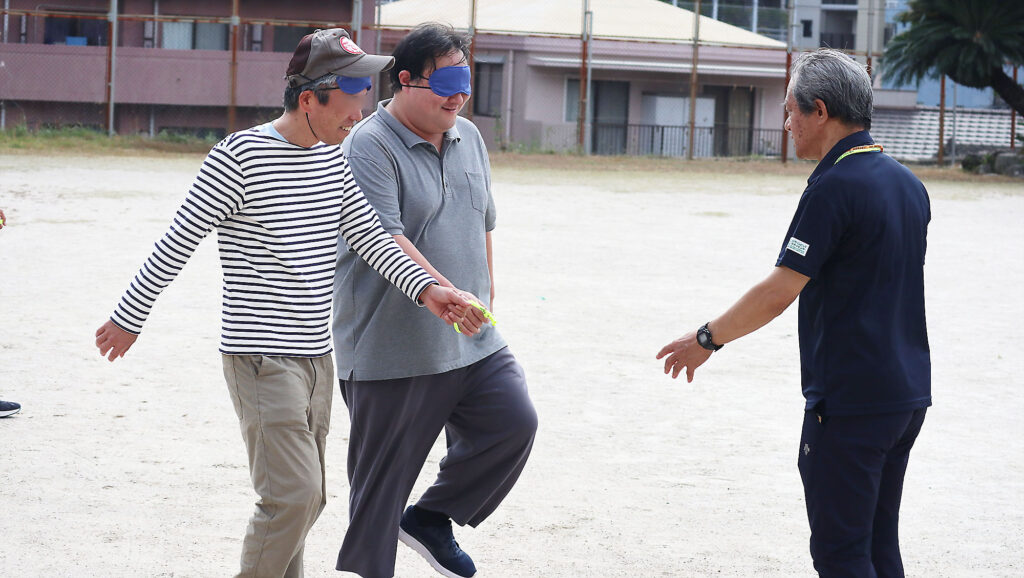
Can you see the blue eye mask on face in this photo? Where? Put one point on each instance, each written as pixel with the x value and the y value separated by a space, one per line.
pixel 450 80
pixel 352 85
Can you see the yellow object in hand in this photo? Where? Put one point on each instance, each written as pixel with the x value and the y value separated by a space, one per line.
pixel 487 315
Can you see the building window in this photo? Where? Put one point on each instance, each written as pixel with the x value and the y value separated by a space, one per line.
pixel 75 31
pixel 194 36
pixel 487 89
pixel 572 99
pixel 808 28
pixel 286 38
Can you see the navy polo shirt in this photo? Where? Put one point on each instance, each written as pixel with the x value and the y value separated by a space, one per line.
pixel 860 233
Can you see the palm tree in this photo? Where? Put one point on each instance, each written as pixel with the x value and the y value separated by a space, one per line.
pixel 967 40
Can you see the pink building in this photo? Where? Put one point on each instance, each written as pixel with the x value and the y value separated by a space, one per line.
pixel 172 66
pixel 528 62
pixel 191 66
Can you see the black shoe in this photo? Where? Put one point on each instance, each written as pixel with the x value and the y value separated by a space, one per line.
pixel 436 544
pixel 8 408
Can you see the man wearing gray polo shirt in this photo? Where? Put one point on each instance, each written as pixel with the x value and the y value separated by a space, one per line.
pixel 425 170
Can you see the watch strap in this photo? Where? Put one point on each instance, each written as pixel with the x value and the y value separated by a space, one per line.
pixel 704 338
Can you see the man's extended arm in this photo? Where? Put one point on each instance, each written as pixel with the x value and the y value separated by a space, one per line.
pixel 205 207
pixel 473 319
pixel 762 303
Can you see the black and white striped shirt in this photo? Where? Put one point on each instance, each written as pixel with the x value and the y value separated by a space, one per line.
pixel 277 209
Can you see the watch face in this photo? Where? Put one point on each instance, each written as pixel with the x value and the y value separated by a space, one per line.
pixel 704 339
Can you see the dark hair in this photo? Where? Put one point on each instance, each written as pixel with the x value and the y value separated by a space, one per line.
pixel 318 86
pixel 421 47
pixel 838 80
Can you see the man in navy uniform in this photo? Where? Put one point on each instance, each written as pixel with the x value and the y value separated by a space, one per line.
pixel 854 253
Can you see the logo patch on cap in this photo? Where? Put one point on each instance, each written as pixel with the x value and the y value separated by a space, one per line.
pixel 348 46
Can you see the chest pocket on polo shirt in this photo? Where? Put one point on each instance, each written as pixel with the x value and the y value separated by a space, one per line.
pixel 477 190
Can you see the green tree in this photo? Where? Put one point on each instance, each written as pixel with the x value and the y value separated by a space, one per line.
pixel 969 41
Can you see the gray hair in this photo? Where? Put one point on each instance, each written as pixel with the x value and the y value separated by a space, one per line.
pixel 838 80
pixel 320 88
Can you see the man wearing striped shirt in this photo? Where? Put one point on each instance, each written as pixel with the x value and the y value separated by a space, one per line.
pixel 278 195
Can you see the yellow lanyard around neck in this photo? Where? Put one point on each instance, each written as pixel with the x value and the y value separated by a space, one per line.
pixel 860 149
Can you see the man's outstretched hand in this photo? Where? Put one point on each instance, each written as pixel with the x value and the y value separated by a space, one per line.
pixel 117 341
pixel 684 353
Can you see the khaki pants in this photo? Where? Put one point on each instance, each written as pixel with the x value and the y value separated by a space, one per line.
pixel 284 407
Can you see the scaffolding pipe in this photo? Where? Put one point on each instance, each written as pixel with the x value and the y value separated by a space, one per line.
pixel 693 79
pixel 111 64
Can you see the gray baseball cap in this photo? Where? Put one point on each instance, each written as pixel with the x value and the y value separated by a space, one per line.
pixel 332 51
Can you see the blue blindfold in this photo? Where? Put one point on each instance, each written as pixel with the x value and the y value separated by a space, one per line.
pixel 448 81
pixel 350 85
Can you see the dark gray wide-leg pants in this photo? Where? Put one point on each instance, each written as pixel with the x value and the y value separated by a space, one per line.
pixel 490 424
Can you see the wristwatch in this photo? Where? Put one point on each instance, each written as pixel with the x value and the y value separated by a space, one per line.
pixel 704 338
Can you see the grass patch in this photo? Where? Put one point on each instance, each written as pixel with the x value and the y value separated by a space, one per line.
pixel 89 141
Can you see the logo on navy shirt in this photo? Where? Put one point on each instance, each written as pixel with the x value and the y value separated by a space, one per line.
pixel 797 246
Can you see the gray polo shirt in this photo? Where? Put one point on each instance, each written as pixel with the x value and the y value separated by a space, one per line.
pixel 443 204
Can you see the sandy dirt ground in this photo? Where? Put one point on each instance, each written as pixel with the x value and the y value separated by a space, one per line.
pixel 137 468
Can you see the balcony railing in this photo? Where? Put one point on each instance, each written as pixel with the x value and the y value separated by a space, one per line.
pixel 672 141
pixel 838 40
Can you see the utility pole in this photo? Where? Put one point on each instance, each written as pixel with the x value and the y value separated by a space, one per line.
pixel 942 119
pixel 583 118
pixel 693 79
pixel 111 64
pixel 468 111
pixel 1013 117
pixel 233 92
pixel 789 65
